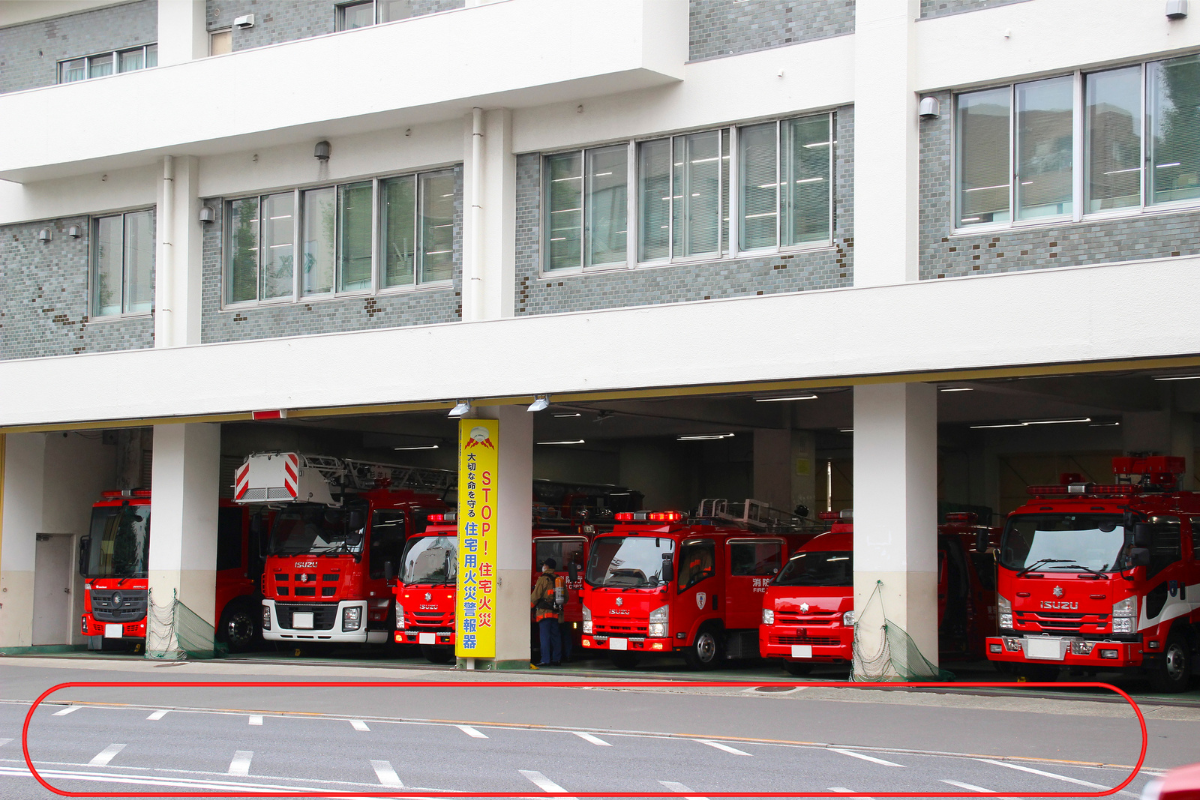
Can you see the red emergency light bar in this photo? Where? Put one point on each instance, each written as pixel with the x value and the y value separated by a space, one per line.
pixel 649 516
pixel 448 516
pixel 962 516
pixel 1081 489
pixel 126 493
pixel 829 515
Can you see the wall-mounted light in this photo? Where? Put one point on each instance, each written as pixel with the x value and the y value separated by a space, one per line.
pixel 44 235
pixel 208 214
pixel 1177 9
pixel 540 402
pixel 243 22
pixel 461 409
pixel 321 151
pixel 703 437
pixel 74 231
pixel 930 108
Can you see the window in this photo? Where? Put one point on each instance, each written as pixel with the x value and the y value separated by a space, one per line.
pixel 697 561
pixel 755 558
pixel 361 15
pixel 587 213
pixel 123 264
pixel 229 538
pixel 683 196
pixel 563 551
pixel 101 64
pixel 1015 146
pixel 220 42
pixel 1165 544
pixel 334 228
pixel 387 542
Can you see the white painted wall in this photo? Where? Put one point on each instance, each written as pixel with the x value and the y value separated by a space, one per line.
pixel 20 521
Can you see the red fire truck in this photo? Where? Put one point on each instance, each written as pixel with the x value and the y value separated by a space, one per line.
pixel 338 523
pixel 808 610
pixel 661 582
pixel 1103 577
pixel 113 558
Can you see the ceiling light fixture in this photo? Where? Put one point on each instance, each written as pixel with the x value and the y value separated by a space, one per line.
pixel 845 430
pixel 568 416
pixel 1026 423
pixel 417 447
pixel 703 437
pixel 956 389
pixel 1177 378
pixel 785 399
pixel 566 441
pixel 540 402
pixel 461 409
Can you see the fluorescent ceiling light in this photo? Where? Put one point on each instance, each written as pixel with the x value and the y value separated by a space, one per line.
pixel 1178 378
pixel 703 437
pixel 567 416
pixel 461 409
pixel 417 447
pixel 785 399
pixel 1028 422
pixel 956 389
pixel 1105 425
pixel 569 441
pixel 845 430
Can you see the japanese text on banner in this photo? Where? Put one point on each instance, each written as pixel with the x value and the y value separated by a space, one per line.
pixel 479 440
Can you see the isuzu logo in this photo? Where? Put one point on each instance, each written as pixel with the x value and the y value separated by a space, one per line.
pixel 1058 592
pixel 303 578
pixel 1059 605
pixel 303 564
pixel 804 608
pixel 428 596
pixel 620 602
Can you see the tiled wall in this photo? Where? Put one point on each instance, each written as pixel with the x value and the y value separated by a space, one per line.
pixel 384 310
pixel 726 27
pixel 44 296
pixel 1052 245
pixel 942 8
pixel 823 268
pixel 278 21
pixel 29 53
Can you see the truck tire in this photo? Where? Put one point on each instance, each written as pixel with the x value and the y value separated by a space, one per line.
pixel 239 628
pixel 1170 673
pixel 706 650
pixel 437 655
pixel 624 660
pixel 1036 673
pixel 799 668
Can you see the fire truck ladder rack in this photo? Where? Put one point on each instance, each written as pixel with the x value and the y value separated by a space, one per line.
pixel 365 475
pixel 293 477
pixel 753 514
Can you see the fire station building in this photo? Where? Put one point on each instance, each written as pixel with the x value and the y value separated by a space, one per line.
pixel 899 256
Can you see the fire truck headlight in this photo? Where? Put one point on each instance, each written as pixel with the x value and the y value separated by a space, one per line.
pixel 1004 608
pixel 848 618
pixel 768 616
pixel 399 617
pixel 266 618
pixel 352 618
pixel 587 619
pixel 83 625
pixel 1012 643
pixel 659 619
pixel 1122 624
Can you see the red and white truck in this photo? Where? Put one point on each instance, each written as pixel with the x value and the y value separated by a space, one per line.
pixel 663 582
pixel 808 610
pixel 337 524
pixel 113 561
pixel 1103 577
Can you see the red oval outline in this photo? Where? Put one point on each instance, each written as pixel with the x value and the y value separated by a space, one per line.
pixel 576 685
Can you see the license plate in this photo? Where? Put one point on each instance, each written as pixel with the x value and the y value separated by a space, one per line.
pixel 426 638
pixel 112 631
pixel 618 644
pixel 1049 649
pixel 302 619
pixel 802 651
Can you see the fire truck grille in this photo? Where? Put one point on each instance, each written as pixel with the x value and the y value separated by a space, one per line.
pixel 131 608
pixel 306 591
pixel 606 627
pixel 324 616
pixel 1049 621
pixel 429 619
pixel 813 618
pixel 824 641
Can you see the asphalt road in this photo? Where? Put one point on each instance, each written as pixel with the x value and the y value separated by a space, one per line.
pixel 684 738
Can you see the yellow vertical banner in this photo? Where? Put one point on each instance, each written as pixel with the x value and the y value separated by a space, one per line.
pixel 475 614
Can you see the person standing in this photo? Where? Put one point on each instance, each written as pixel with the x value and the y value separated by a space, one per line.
pixel 548 614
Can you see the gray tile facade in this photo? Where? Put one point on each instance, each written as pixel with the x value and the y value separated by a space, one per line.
pixel 823 268
pixel 361 312
pixel 944 8
pixel 44 296
pixel 278 21
pixel 1053 245
pixel 728 27
pixel 29 53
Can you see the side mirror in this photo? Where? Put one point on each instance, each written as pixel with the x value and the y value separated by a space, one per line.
pixel 354 520
pixel 389 571
pixel 668 568
pixel 981 540
pixel 1139 557
pixel 572 571
pixel 85 549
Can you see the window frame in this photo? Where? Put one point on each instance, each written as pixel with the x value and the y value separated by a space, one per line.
pixel 213 34
pixel 339 15
pixel 115 55
pixel 93 254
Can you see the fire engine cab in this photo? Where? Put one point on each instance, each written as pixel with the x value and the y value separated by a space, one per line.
pixel 1103 577
pixel 661 582
pixel 337 523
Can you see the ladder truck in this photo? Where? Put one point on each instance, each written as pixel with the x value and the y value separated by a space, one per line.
pixel 339 528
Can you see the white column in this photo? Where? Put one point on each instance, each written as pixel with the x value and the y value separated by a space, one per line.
pixel 182 34
pixel 22 480
pixel 178 276
pixel 895 513
pixel 489 280
pixel 886 143
pixel 183 514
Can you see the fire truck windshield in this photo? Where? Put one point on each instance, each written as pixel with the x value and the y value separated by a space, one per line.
pixel 431 559
pixel 313 529
pixel 818 568
pixel 628 561
pixel 1063 542
pixel 120 542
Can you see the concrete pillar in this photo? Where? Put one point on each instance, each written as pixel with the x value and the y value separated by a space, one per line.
pixel 22 481
pixel 182 31
pixel 886 142
pixel 895 513
pixel 785 469
pixel 178 277
pixel 489 282
pixel 183 528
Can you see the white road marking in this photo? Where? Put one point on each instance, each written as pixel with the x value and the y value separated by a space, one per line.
pixel 106 755
pixel 387 776
pixel 972 788
pixel 157 715
pixel 255 719
pixel 587 737
pixel 679 787
pixel 724 747
pixel 359 725
pixel 469 731
pixel 66 711
pixel 542 782
pixel 241 763
pixel 4 742
pixel 1076 781
pixel 872 759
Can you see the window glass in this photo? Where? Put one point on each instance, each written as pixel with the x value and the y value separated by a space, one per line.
pixel 399 235
pixel 564 552
pixel 99 66
pixel 1195 538
pixel 628 561
pixel 983 157
pixel 654 200
pixel 356 15
pixel 696 195
pixel 320 211
pixel 392 10
pixel 1113 139
pixel 106 280
pixel 132 59
pixel 278 247
pixel 387 541
pixel 430 559
pixel 727 234
pixel 243 251
pixel 354 237
pixel 607 195
pixel 807 147
pixel 565 209
pixel 220 43
pixel 120 542
pixel 758 198
pixel 437 226
pixel 1173 103
pixel 818 568
pixel 70 71
pixel 755 558
pixel 229 538
pixel 697 561
pixel 1165 545
pixel 139 262
pixel 1045 151
pixel 151 55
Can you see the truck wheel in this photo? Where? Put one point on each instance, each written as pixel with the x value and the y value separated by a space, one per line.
pixel 1171 672
pixel 624 660
pixel 239 629
pixel 798 667
pixel 706 651
pixel 1036 673
pixel 437 655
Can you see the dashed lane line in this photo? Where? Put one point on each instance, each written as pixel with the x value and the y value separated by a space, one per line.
pixel 66 711
pixel 587 737
pixel 1045 774
pixel 872 759
pixel 542 782
pixel 157 715
pixel 359 725
pixel 386 774
pixel 256 719
pixel 724 747
pixel 240 766
pixel 679 787
pixel 106 755
pixel 469 731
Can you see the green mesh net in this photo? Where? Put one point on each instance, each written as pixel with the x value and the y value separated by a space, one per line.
pixel 174 632
pixel 898 658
